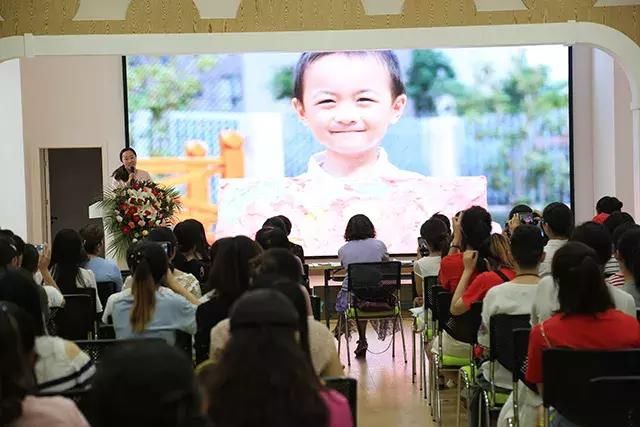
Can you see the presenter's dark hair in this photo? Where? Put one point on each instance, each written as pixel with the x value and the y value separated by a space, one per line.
pixel 359 227
pixel 387 57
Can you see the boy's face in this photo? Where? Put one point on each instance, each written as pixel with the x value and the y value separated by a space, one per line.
pixel 348 103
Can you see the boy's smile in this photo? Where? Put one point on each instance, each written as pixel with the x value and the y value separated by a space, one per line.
pixel 348 103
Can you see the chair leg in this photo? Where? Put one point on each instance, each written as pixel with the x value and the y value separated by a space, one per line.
pixel 404 347
pixel 413 354
pixel 346 337
pixel 459 398
pixel 420 361
pixel 339 335
pixel 393 340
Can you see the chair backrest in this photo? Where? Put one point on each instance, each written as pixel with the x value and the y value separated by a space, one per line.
pixel 184 341
pixel 520 356
pixel 638 313
pixel 75 321
pixel 463 328
pixel 316 306
pixel 363 276
pixel 105 290
pixel 617 400
pixel 348 387
pixel 305 277
pixel 96 348
pixel 429 283
pixel 567 374
pixel 91 292
pixel 432 296
pixel 501 345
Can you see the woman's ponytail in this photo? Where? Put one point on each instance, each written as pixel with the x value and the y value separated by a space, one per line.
pixel 149 263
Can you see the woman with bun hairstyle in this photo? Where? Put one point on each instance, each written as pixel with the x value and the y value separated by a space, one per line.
pixel 435 234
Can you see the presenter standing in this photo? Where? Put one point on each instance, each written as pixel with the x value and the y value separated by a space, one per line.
pixel 128 172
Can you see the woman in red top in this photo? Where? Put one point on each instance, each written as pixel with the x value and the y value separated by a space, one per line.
pixel 491 265
pixel 471 229
pixel 586 319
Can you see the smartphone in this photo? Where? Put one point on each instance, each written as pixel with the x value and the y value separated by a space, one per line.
pixel 40 248
pixel 526 218
pixel 422 247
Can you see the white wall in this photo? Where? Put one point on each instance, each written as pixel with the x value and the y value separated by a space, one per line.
pixel 12 173
pixel 69 102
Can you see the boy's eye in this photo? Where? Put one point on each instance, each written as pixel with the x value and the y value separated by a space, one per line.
pixel 325 101
pixel 365 100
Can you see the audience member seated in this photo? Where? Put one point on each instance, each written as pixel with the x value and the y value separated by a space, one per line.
pixel 145 384
pixel 618 279
pixel 38 267
pixel 165 237
pixel 513 219
pixel 281 262
pixel 512 298
pixel 67 256
pixel 104 270
pixel 435 234
pixel 324 356
pixel 492 264
pixel 605 207
pixel 264 367
pixel 586 319
pixel 612 223
pixel 628 255
pixel 557 224
pixel 17 352
pixel 471 228
pixel 17 242
pixel 296 249
pixel 193 250
pixel 60 364
pixel 274 237
pixel 228 278
pixel 596 237
pixel 156 305
pixel 361 246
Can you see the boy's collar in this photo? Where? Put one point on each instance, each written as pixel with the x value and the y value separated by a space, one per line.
pixel 381 167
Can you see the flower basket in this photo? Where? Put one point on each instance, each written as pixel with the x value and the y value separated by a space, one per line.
pixel 130 212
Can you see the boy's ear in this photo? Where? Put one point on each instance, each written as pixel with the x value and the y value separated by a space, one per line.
pixel 397 107
pixel 299 109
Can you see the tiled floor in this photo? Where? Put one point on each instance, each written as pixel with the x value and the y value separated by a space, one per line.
pixel 386 395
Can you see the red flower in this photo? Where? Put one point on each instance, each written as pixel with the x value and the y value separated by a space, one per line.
pixel 126 230
pixel 136 218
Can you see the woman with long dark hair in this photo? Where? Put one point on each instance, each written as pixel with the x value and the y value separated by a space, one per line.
pixel 128 171
pixel 586 319
pixel 228 279
pixel 67 257
pixel 193 249
pixel 264 367
pixel 156 305
pixel 17 353
pixel 628 255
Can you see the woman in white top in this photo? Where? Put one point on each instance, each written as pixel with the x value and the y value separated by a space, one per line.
pixel 17 344
pixel 59 364
pixel 66 258
pixel 149 309
pixel 128 172
pixel 435 235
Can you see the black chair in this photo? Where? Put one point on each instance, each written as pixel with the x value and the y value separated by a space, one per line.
pixel 96 348
pixel 77 319
pixel 617 400
pixel 567 375
pixel 378 284
pixel 520 357
pixel 305 277
pixel 348 387
pixel 638 313
pixel 501 350
pixel 316 306
pixel 105 290
pixel 184 341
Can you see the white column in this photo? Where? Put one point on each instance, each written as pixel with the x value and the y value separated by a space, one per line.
pixel 13 214
pixel 634 208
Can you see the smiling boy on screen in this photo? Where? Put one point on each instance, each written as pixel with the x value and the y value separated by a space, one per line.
pixel 348 100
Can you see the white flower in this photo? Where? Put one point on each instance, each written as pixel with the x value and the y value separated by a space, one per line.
pixel 141 223
pixel 134 240
pixel 119 218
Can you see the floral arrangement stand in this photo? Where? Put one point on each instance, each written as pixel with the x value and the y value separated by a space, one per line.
pixel 131 211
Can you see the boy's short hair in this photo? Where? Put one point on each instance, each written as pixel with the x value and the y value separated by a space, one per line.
pixel 92 235
pixel 359 227
pixel 527 245
pixel 559 218
pixel 387 57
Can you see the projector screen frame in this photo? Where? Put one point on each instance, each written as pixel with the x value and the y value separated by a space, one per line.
pixel 317 257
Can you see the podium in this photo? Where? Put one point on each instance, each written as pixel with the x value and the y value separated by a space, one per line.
pixel 95 211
